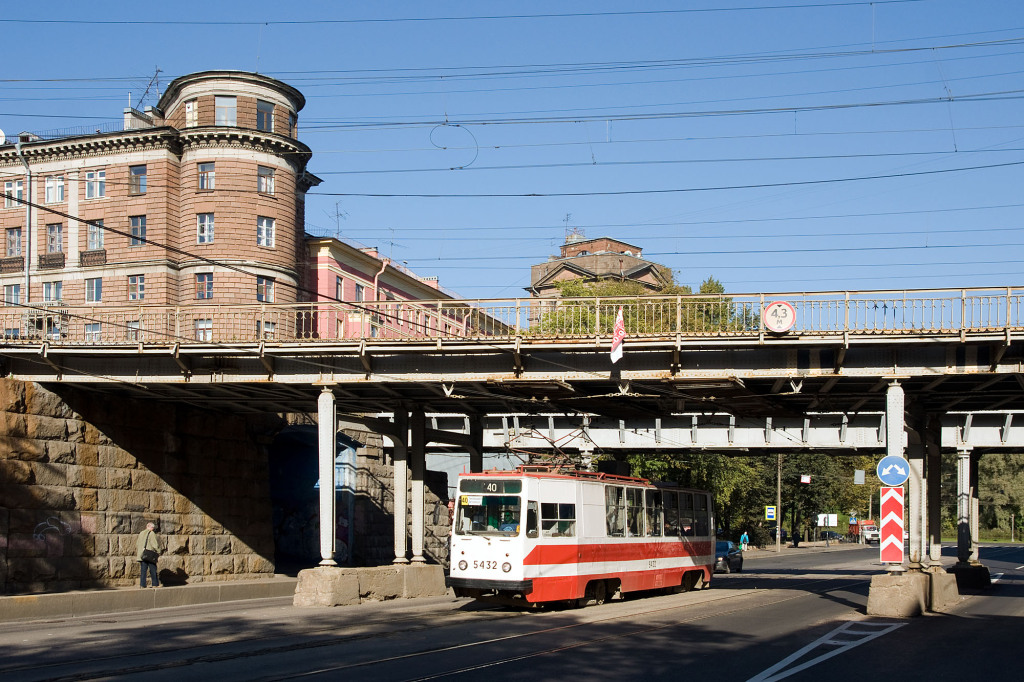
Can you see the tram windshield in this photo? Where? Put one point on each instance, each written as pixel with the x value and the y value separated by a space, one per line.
pixel 488 515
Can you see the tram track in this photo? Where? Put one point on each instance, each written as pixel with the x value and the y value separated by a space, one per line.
pixel 398 626
pixel 577 644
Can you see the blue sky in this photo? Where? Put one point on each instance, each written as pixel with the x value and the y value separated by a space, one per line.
pixel 776 145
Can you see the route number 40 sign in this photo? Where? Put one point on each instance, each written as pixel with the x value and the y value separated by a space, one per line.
pixel 779 317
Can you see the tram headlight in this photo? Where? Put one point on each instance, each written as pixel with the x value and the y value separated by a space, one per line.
pixel 506 567
pixel 463 565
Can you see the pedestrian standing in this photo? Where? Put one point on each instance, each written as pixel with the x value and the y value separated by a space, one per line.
pixel 147 550
pixel 744 539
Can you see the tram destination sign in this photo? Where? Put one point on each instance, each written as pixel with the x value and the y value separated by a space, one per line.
pixel 490 487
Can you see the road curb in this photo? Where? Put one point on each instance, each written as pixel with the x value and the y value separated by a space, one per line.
pixel 95 602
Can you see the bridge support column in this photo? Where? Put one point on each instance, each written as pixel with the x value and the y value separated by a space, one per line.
pixel 932 436
pixel 418 456
pixel 476 449
pixel 401 505
pixel 968 569
pixel 895 426
pixel 327 437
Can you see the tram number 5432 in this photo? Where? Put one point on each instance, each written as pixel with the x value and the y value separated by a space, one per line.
pixel 485 565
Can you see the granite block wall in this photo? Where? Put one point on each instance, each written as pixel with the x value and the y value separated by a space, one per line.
pixel 82 474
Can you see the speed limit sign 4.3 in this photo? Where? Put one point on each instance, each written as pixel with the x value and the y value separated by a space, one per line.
pixel 779 317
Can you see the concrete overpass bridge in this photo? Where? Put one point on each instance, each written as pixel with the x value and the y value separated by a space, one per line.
pixel 898 371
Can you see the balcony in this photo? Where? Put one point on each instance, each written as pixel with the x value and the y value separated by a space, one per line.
pixel 51 261
pixel 12 264
pixel 94 257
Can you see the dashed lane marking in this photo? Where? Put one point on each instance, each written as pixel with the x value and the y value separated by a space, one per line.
pixel 845 637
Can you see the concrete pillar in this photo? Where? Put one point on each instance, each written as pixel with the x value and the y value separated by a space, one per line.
pixel 975 510
pixel 418 461
pixel 327 438
pixel 932 436
pixel 401 449
pixel 964 550
pixel 917 507
pixel 895 425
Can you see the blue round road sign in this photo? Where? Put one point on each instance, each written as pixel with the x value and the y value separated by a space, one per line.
pixel 893 470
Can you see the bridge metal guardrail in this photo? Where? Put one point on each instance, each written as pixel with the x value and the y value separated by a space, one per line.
pixel 739 316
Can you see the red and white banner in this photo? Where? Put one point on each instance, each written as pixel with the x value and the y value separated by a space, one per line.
pixel 890 537
pixel 618 336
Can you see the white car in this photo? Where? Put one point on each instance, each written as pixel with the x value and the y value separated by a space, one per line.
pixel 869 533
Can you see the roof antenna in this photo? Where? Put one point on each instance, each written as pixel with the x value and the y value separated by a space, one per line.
pixel 154 84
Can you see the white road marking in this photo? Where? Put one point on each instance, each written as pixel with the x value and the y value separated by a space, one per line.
pixel 996 577
pixel 843 638
pixel 1019 568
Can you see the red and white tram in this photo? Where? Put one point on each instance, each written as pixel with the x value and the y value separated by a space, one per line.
pixel 541 534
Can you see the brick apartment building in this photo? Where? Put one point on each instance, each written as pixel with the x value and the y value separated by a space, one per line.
pixel 159 212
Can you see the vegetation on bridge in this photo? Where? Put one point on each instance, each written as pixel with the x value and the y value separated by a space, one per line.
pixel 644 312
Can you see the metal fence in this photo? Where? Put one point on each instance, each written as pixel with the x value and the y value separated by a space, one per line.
pixel 861 313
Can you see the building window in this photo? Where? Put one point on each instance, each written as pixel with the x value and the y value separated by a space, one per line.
pixel 264 180
pixel 54 189
pixel 264 116
pixel 206 175
pixel 204 330
pixel 265 330
pixel 138 230
pixel 12 294
pixel 136 287
pixel 204 228
pixel 136 179
pixel 132 328
pixel 264 231
pixel 93 332
pixel 293 120
pixel 95 184
pixel 54 238
pixel 265 289
pixel 359 292
pixel 338 291
pixel 94 235
pixel 94 290
pixel 13 241
pixel 225 110
pixel 13 189
pixel 204 285
pixel 52 291
pixel 191 113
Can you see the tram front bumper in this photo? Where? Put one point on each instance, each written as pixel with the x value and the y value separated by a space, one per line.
pixel 522 586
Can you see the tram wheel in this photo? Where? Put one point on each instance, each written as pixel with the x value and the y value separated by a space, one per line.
pixel 600 592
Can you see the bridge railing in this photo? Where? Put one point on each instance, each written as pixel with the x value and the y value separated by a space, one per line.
pixel 864 313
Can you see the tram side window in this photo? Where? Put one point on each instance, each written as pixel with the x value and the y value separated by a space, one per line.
pixel 671 513
pixel 635 511
pixel 655 513
pixel 686 519
pixel 531 520
pixel 557 520
pixel 615 511
pixel 497 514
pixel 701 502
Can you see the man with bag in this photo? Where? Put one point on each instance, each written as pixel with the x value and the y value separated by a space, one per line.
pixel 147 550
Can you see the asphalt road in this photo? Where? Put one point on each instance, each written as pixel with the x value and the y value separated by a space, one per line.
pixel 795 616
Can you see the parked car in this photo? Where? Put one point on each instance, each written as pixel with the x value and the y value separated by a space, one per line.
pixel 728 557
pixel 785 535
pixel 832 536
pixel 869 533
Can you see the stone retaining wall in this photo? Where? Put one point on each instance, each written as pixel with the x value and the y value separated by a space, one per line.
pixel 80 476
